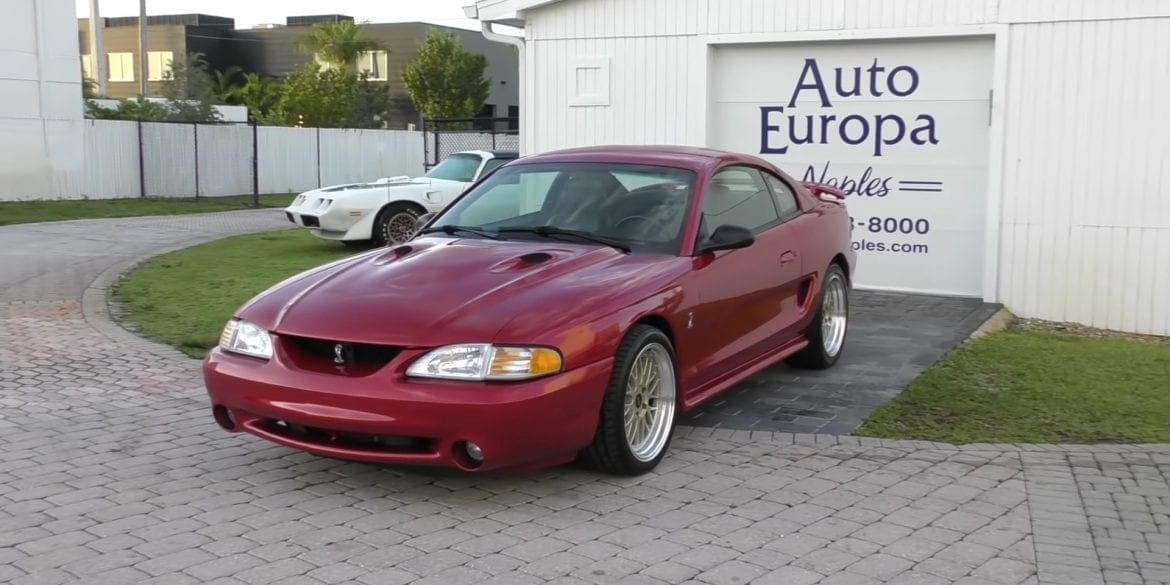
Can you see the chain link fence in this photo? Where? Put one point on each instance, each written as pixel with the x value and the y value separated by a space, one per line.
pixel 445 137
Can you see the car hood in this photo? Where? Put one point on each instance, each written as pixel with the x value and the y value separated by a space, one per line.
pixel 436 290
pixel 341 191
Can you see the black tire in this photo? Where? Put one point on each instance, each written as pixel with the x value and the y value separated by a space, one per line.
pixel 610 451
pixel 815 356
pixel 387 222
pixel 357 243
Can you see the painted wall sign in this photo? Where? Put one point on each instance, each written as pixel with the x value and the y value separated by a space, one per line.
pixel 902 127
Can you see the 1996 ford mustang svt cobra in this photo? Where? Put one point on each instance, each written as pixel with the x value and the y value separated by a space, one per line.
pixel 569 304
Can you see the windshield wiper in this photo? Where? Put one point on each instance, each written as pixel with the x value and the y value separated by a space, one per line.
pixel 454 229
pixel 553 231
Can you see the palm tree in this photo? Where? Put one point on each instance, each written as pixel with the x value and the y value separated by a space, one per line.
pixel 337 44
pixel 258 94
pixel 224 84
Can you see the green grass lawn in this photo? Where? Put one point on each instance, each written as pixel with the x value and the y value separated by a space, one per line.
pixel 12 212
pixel 184 298
pixel 1017 386
pixel 1035 386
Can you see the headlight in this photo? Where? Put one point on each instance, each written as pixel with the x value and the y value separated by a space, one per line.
pixel 246 338
pixel 482 361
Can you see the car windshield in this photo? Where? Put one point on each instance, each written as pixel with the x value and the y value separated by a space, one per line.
pixel 642 208
pixel 457 167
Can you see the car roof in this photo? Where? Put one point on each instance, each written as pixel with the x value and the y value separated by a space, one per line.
pixel 491 153
pixel 689 157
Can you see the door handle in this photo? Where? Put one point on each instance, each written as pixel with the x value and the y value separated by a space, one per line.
pixel 787 257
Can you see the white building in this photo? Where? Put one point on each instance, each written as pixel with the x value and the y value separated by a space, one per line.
pixel 1014 150
pixel 41 141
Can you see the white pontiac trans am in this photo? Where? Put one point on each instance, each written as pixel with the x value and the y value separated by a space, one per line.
pixel 386 211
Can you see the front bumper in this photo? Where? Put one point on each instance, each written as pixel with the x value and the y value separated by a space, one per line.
pixel 334 222
pixel 388 418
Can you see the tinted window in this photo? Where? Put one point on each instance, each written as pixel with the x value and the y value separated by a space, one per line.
pixel 738 196
pixel 457 167
pixel 785 198
pixel 493 164
pixel 644 207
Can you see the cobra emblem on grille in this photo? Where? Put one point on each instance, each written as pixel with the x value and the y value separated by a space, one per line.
pixel 339 354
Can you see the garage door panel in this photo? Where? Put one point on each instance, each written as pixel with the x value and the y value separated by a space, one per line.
pixel 948 69
pixel 909 144
pixel 927 133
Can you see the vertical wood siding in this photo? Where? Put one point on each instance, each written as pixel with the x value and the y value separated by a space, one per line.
pixel 1086 193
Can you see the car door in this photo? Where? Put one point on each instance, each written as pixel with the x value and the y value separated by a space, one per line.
pixel 794 301
pixel 740 293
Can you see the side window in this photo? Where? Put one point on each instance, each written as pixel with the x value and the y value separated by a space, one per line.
pixel 785 198
pixel 492 164
pixel 738 196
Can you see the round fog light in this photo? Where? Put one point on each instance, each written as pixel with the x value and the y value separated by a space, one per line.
pixel 474 452
pixel 224 417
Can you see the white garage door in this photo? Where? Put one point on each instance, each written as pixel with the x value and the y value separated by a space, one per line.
pixel 902 126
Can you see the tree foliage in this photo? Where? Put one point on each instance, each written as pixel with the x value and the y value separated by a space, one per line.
pixel 445 80
pixel 259 95
pixel 224 84
pixel 188 90
pixel 337 44
pixel 330 98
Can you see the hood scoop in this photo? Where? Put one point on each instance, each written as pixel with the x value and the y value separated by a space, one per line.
pixel 395 253
pixel 521 262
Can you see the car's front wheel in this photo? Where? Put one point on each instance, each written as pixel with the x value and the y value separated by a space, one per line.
pixel 638 412
pixel 396 224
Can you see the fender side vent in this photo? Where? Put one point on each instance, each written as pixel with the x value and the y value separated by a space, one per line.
pixel 805 288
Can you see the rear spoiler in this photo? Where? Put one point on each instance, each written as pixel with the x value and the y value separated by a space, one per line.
pixel 825 192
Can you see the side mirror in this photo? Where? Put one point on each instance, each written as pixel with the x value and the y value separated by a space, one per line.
pixel 728 237
pixel 422 220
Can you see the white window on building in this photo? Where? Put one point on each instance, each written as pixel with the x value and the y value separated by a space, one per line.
pixel 159 65
pixel 375 64
pixel 121 66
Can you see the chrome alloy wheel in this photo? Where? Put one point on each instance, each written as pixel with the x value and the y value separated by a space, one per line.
pixel 400 227
pixel 650 402
pixel 834 315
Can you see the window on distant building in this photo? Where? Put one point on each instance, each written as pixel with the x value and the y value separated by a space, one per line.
pixel 121 66
pixel 87 67
pixel 375 64
pixel 159 65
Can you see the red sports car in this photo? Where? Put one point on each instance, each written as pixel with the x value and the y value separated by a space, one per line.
pixel 571 303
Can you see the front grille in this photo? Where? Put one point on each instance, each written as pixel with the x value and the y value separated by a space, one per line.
pixel 348 440
pixel 338 357
pixel 290 217
pixel 311 221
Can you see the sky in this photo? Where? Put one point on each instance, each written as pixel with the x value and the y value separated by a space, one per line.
pixel 251 12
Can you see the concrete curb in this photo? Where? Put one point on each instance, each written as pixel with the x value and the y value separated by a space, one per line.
pixel 819 440
pixel 1000 321
pixel 95 300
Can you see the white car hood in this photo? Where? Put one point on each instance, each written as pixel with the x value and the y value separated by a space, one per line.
pixel 342 191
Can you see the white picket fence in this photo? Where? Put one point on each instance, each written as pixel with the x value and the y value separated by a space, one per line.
pixel 215 160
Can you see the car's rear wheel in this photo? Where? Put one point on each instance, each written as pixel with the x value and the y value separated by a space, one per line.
pixel 826 333
pixel 638 412
pixel 395 224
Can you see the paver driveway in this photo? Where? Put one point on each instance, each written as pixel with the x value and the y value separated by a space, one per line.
pixel 112 471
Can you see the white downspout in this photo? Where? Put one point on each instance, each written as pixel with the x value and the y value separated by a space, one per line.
pixel 518 42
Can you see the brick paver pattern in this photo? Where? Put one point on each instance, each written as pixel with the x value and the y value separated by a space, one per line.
pixel 112 471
